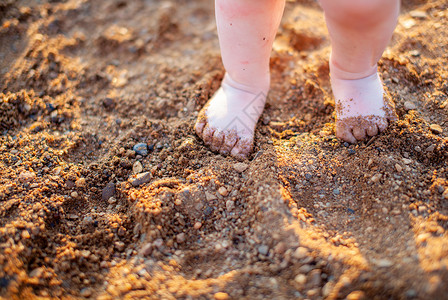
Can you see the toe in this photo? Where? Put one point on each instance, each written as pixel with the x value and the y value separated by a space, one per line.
pixel 392 116
pixel 217 140
pixel 200 123
pixel 242 148
pixel 359 133
pixel 372 130
pixel 345 133
pixel 199 126
pixel 230 140
pixel 382 125
pixel 207 134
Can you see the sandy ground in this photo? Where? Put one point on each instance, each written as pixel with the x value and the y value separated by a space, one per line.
pixel 85 213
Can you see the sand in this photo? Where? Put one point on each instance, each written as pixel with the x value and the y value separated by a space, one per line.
pixel 85 215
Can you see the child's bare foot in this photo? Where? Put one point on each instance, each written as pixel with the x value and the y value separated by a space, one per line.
pixel 362 109
pixel 227 122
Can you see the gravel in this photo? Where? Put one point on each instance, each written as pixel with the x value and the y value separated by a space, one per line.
pixel 140 179
pixel 240 167
pixel 436 128
pixel 409 106
pixel 141 149
pixel 263 250
pixel 108 191
pixel 26 176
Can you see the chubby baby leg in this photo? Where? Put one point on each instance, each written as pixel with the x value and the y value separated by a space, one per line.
pixel 359 31
pixel 246 30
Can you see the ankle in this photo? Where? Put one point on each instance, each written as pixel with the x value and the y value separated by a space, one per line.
pixel 338 72
pixel 256 87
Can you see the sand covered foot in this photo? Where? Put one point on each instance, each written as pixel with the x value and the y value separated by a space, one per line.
pixel 362 108
pixel 227 122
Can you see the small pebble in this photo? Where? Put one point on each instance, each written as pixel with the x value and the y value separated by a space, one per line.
pixel 418 14
pixel 142 272
pixel 25 234
pixel 36 272
pixel 423 237
pixel 315 277
pixel 300 279
pixel 384 263
pixel 108 103
pixel 140 179
pixel 436 128
pixel 88 220
pixel 230 205
pixel 312 293
pixel 112 200
pixel 94 258
pixel 414 53
pixel 141 149
pixel 121 231
pixel 409 106
pixel 26 176
pixel 180 238
pixel 356 295
pixel 218 247
pixel 69 184
pixel 223 191
pixel 119 246
pixel 376 178
pixel 395 212
pixel 280 248
pixel 108 191
pixel 421 209
pixel 85 253
pixel 197 225
pixel 74 194
pixel 137 228
pixel 81 182
pixel 221 296
pixel 398 168
pixel 158 243
pixel 431 148
pixel 209 196
pixel 305 269
pixel 137 167
pixel 300 253
pixel 406 161
pixel 240 167
pixel 86 292
pixel 263 250
pixel 146 249
pixel 326 290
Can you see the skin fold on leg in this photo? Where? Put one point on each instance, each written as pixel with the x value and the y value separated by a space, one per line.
pixel 246 31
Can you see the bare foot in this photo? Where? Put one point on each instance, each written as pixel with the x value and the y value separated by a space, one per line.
pixel 362 108
pixel 227 122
